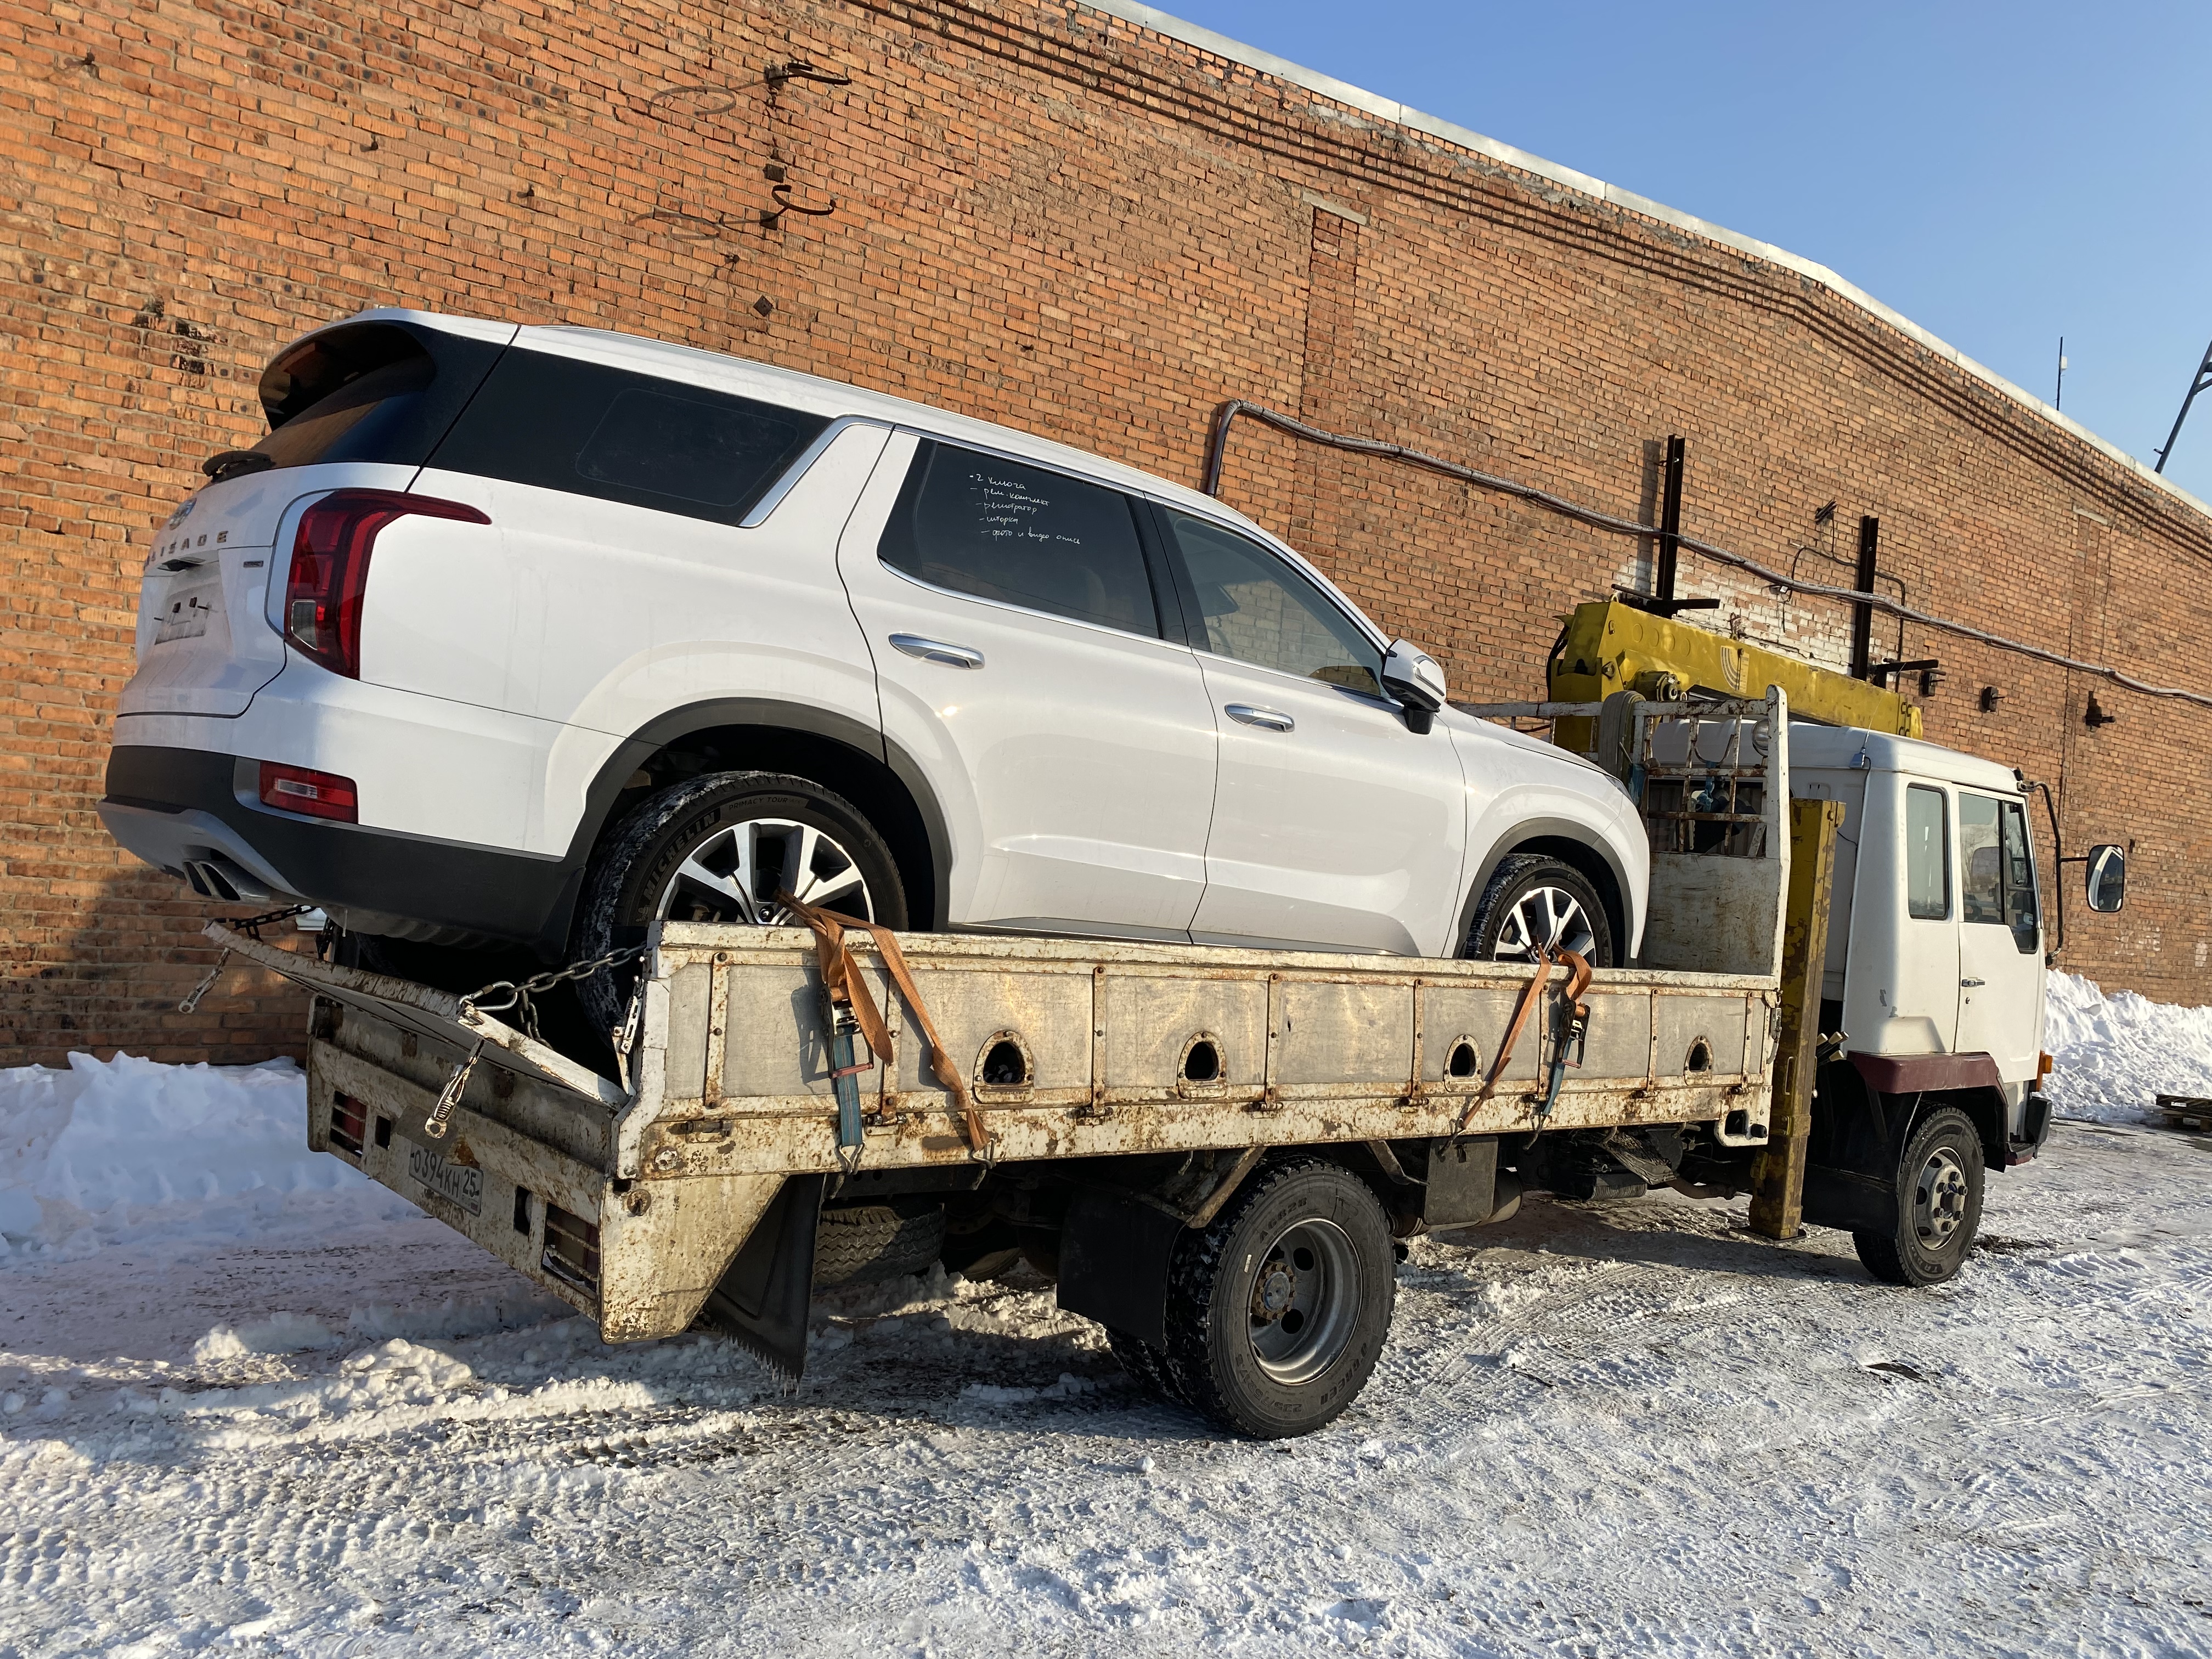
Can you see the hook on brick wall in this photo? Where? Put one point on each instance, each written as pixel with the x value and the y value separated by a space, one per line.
pixel 797 68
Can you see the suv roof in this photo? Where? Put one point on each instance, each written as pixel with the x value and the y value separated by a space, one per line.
pixel 812 392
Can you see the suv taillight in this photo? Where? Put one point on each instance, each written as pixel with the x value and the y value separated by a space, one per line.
pixel 329 569
pixel 317 794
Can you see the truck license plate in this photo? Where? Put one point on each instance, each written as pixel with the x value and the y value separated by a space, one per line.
pixel 457 1183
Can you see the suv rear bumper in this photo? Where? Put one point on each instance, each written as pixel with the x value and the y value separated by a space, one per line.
pixel 181 808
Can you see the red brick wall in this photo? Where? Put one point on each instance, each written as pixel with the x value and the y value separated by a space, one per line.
pixel 1044 217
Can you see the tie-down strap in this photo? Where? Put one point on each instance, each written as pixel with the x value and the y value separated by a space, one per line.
pixel 842 980
pixel 1578 979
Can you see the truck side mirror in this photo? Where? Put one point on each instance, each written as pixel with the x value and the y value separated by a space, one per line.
pixel 1411 675
pixel 2107 877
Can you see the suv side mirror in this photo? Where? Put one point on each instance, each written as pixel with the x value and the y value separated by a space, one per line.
pixel 1411 675
pixel 2107 877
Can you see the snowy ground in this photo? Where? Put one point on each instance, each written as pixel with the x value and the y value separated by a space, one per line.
pixel 251 1405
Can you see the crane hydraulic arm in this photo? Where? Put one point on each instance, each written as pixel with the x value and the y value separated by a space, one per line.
pixel 1609 646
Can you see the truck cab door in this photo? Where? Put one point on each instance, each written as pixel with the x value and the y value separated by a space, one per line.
pixel 2000 936
pixel 1902 993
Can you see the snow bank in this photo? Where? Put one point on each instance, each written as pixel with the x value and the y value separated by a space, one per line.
pixel 99 1149
pixel 2113 1056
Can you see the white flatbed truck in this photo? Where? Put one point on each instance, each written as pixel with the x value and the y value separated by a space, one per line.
pixel 1213 1150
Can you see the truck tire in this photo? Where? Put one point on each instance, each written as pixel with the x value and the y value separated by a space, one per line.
pixel 1533 899
pixel 1148 1367
pixel 1939 1204
pixel 715 848
pixel 1277 1312
pixel 860 1243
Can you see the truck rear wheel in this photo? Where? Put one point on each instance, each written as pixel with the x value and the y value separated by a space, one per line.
pixel 1939 1204
pixel 1277 1312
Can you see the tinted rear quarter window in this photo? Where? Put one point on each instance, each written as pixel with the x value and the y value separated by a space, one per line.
pixel 368 391
pixel 637 438
pixel 997 529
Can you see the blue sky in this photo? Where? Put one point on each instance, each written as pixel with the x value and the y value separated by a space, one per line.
pixel 2002 174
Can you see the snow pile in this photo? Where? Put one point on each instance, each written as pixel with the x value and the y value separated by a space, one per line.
pixel 2114 1056
pixel 99 1149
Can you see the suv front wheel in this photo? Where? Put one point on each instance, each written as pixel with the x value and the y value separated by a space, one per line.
pixel 721 848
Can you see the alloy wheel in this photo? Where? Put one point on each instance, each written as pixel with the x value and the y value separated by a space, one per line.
pixel 1543 917
pixel 735 874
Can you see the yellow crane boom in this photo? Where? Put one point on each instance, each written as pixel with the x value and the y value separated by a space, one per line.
pixel 1609 646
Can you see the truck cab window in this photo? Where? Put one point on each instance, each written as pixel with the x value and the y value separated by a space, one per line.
pixel 1996 869
pixel 1927 854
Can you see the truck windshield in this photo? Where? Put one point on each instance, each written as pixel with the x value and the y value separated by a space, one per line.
pixel 1997 868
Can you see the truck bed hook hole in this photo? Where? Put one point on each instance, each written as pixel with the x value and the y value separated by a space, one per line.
pixel 1201 1061
pixel 1701 1057
pixel 1463 1061
pixel 1005 1065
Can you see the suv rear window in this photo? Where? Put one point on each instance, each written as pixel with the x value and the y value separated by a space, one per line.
pixel 368 391
pixel 561 424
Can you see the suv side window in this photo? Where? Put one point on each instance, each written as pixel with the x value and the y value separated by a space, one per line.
pixel 1024 535
pixel 637 438
pixel 1256 609
pixel 1996 880
pixel 1927 854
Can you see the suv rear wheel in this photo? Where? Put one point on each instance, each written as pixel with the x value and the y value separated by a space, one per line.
pixel 719 848
pixel 1534 900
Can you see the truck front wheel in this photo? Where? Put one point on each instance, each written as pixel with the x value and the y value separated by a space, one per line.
pixel 1939 1204
pixel 1277 1312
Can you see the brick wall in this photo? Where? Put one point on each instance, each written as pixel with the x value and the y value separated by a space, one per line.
pixel 1045 216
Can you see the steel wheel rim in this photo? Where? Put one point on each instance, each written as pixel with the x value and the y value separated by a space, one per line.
pixel 1544 916
pixel 734 875
pixel 1939 1198
pixel 1305 1302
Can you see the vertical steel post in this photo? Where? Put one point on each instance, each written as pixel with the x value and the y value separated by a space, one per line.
pixel 1862 614
pixel 1777 1181
pixel 1670 521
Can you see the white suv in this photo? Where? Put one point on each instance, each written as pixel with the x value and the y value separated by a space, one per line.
pixel 529 635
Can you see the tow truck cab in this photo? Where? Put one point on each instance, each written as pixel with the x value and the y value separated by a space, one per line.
pixel 1933 990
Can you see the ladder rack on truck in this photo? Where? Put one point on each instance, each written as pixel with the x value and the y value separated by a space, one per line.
pixel 1211 1148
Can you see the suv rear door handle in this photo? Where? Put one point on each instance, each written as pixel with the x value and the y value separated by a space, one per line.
pixel 1965 983
pixel 937 651
pixel 1269 718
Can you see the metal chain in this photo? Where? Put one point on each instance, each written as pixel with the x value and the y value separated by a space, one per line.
pixel 519 994
pixel 251 927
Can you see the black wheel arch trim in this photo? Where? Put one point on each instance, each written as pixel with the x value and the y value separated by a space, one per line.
pixel 1550 835
pixel 766 713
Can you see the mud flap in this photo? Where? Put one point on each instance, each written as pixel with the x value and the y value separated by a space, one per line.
pixel 763 1297
pixel 1114 1252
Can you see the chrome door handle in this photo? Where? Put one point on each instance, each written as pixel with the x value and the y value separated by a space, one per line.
pixel 1965 983
pixel 951 656
pixel 1268 718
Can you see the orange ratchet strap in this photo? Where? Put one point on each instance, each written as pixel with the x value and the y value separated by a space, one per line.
pixel 841 978
pixel 1578 979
